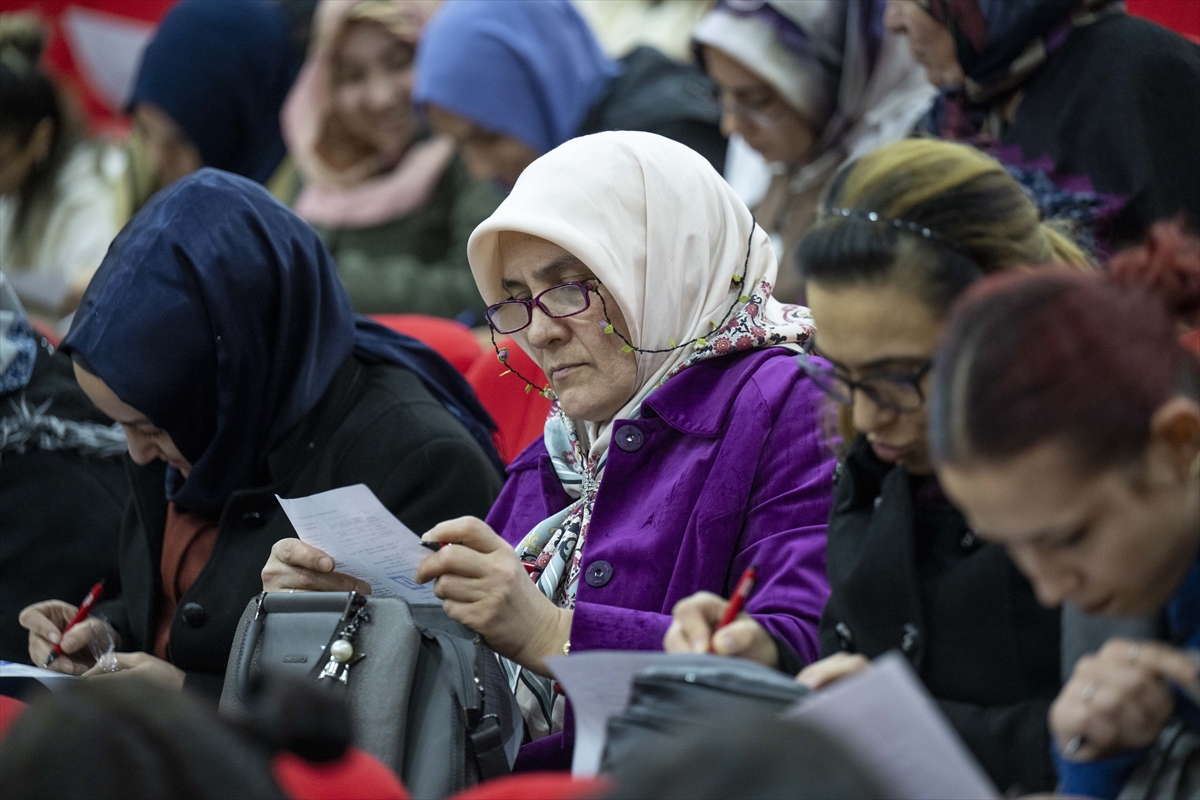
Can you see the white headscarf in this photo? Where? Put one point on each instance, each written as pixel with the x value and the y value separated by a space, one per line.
pixel 664 233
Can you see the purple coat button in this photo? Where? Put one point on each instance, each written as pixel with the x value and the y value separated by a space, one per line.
pixel 599 573
pixel 630 438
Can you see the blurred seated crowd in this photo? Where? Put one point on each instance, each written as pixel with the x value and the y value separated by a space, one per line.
pixel 893 305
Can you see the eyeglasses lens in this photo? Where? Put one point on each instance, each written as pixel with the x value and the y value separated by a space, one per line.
pixel 826 380
pixel 508 317
pixel 894 395
pixel 563 301
pixel 559 301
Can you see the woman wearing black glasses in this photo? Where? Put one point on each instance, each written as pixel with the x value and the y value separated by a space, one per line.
pixel 903 231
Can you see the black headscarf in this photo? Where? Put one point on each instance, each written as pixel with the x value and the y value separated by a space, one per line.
pixel 218 314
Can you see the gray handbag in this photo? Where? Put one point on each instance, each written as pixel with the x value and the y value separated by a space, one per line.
pixel 671 700
pixel 426 695
pixel 1171 769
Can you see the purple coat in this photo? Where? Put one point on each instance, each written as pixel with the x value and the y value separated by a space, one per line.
pixel 727 467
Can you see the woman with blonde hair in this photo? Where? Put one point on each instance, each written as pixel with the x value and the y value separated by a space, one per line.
pixel 903 232
pixel 392 202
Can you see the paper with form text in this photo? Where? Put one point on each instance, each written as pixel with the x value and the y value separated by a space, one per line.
pixel 364 540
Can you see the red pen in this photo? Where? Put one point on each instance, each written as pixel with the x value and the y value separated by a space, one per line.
pixel 744 587
pixel 85 608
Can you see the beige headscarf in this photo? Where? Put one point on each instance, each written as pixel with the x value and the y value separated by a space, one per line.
pixel 357 196
pixel 665 234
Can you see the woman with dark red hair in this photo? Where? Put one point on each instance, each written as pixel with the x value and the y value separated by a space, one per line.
pixel 1065 422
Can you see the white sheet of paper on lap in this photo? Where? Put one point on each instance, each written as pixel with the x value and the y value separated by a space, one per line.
pixel 364 539
pixel 888 720
pixel 54 681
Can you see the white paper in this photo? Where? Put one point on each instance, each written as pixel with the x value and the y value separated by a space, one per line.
pixel 887 719
pixel 599 683
pixel 48 678
pixel 364 540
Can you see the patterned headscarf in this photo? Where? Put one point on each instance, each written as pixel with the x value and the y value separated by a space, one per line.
pixel 692 274
pixel 1000 44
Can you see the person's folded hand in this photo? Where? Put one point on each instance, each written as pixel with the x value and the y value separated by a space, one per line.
pixel 694 630
pixel 296 566
pixel 138 666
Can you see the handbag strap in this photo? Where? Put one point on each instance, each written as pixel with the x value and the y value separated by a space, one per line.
pixel 249 644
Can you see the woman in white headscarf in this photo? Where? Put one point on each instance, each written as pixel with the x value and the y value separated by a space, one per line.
pixel 684 444
pixel 809 85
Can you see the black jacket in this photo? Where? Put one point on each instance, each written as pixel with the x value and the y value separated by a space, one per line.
pixel 62 493
pixel 907 573
pixel 376 425
pixel 1118 102
pixel 658 95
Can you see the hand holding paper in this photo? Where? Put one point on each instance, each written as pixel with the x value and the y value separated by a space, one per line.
pixel 366 543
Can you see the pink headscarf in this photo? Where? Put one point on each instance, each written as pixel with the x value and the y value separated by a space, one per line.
pixel 356 197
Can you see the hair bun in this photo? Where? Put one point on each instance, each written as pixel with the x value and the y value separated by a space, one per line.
pixel 301 718
pixel 22 34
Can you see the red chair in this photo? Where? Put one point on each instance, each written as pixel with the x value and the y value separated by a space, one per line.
pixel 452 340
pixel 537 786
pixel 355 776
pixel 10 709
pixel 520 416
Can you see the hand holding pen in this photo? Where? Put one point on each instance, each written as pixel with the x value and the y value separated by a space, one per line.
pixel 59 632
pixel 1121 698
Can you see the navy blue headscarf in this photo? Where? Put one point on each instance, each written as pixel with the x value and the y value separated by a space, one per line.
pixel 221 69
pixel 218 314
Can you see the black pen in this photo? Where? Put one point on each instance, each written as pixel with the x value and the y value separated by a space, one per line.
pixel 434 546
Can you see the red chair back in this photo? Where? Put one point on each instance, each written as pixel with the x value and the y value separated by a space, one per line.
pixel 452 340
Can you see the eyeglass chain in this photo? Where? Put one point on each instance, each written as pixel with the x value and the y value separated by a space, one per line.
pixel 609 329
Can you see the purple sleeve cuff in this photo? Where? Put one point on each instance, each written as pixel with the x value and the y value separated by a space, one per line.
pixel 600 627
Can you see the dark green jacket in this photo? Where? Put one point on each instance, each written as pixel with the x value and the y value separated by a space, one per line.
pixel 417 264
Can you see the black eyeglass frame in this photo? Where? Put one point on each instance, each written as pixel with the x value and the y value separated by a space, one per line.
pixel 588 286
pixel 820 374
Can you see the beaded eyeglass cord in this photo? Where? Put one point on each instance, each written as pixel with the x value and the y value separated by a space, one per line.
pixel 628 347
